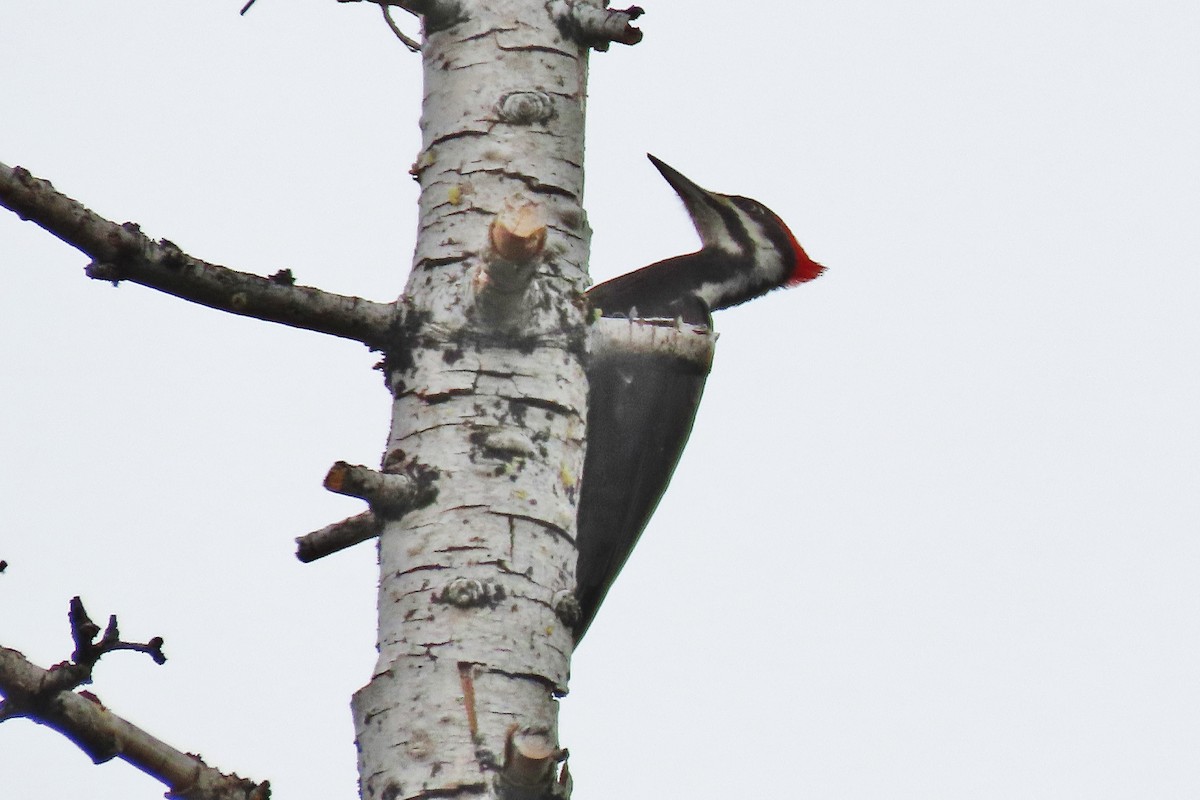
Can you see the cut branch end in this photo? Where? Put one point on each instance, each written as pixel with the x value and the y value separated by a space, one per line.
pixel 518 232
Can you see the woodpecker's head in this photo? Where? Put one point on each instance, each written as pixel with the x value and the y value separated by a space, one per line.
pixel 755 249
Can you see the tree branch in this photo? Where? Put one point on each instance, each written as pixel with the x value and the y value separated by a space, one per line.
pixel 46 697
pixel 123 252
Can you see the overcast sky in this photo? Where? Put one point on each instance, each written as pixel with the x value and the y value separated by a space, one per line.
pixel 937 533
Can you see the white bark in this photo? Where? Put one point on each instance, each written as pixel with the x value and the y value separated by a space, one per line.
pixel 608 337
pixel 470 646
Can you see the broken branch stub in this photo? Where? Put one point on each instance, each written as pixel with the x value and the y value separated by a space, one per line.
pixel 596 27
pixel 531 759
pixel 336 537
pixel 387 493
pixel 517 236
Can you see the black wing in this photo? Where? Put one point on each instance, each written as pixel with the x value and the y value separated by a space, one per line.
pixel 665 289
pixel 640 414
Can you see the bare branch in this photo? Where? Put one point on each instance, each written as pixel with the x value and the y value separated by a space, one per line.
pixel 122 252
pixel 36 693
pixel 414 47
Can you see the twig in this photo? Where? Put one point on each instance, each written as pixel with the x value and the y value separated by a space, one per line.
pixel 78 671
pixel 88 651
pixel 413 46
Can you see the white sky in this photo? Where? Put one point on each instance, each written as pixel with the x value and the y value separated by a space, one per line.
pixel 938 530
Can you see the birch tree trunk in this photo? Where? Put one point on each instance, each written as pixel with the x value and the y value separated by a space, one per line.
pixel 489 411
pixel 484 352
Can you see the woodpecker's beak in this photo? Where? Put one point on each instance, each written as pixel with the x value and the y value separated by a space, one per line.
pixel 701 204
pixel 691 194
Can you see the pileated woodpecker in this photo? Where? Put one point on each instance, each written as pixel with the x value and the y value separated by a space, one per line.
pixel 641 408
